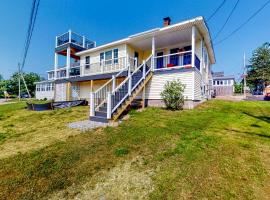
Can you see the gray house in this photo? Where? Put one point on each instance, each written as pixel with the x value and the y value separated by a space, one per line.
pixel 223 85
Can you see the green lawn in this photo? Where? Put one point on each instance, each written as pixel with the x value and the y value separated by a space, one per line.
pixel 220 150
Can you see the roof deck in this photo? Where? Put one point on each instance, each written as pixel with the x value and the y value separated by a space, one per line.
pixel 75 40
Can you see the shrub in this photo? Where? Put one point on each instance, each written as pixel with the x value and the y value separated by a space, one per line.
pixel 172 95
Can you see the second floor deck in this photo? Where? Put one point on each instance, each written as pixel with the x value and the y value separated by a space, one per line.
pixel 72 38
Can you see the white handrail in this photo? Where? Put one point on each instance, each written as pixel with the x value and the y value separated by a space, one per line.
pixel 173 54
pixel 131 75
pixel 129 78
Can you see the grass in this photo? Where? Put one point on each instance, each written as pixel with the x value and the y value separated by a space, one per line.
pixel 22 130
pixel 219 150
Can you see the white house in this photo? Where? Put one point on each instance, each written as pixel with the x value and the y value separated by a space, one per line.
pixel 110 76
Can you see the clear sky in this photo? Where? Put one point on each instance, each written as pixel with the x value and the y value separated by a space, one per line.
pixel 106 21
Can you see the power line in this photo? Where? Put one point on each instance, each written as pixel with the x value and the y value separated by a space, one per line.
pixel 227 20
pixel 217 9
pixel 31 25
pixel 243 24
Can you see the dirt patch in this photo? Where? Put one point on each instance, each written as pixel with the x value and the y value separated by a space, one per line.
pixel 125 181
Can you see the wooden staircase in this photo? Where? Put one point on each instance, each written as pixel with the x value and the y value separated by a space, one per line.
pixel 124 106
pixel 118 99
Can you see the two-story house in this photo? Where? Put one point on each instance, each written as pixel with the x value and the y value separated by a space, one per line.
pixel 112 75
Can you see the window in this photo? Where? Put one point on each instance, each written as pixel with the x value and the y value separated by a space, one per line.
pixel 115 55
pixel 225 82
pixel 38 87
pixel 101 58
pixel 87 62
pixel 108 57
pixel 42 87
pixel 221 82
pixel 48 87
pixel 217 82
pixel 214 82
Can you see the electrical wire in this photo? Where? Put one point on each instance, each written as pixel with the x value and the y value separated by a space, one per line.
pixel 32 20
pixel 227 20
pixel 217 9
pixel 243 24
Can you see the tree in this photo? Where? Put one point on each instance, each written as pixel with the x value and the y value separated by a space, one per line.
pixel 1 77
pixel 172 95
pixel 30 79
pixel 259 70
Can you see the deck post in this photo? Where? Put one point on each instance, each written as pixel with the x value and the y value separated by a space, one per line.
pixel 69 36
pixel 109 105
pixel 193 35
pixel 68 62
pixel 55 65
pixel 144 69
pixel 153 53
pixel 201 63
pixel 91 85
pixel 83 41
pixel 92 104
pixel 129 83
pixel 113 82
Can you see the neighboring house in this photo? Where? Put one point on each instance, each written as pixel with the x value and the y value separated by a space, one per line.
pixel 110 76
pixel 223 85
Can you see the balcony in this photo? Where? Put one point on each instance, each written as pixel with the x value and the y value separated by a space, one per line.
pixel 176 60
pixel 75 39
pixel 108 66
pixel 104 67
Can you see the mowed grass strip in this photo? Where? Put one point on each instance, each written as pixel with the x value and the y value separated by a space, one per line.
pixel 22 130
pixel 213 151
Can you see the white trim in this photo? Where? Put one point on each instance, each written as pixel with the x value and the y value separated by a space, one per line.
pixel 198 21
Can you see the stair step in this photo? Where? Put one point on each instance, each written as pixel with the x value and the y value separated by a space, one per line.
pixel 101 114
pixel 99 119
pixel 102 109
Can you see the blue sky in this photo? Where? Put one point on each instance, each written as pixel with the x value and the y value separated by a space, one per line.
pixel 106 21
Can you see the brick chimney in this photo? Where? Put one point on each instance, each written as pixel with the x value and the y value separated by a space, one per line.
pixel 166 21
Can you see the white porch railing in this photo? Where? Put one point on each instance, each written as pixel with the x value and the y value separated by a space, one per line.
pixel 109 66
pixel 125 89
pixel 180 59
pixel 98 98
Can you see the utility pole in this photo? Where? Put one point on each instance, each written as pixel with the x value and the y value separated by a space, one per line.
pixel 245 81
pixel 19 77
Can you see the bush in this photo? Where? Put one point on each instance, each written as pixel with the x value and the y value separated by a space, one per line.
pixel 172 95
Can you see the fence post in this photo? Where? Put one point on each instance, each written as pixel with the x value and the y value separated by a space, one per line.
pixel 92 104
pixel 144 69
pixel 113 82
pixel 109 105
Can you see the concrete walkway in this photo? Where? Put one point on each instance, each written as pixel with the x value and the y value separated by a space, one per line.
pixel 88 125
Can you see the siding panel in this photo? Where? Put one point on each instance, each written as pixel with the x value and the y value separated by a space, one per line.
pixel 156 84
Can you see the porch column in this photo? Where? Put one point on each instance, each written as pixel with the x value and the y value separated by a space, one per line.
pixel 68 62
pixel 201 57
pixel 153 52
pixel 55 64
pixel 193 39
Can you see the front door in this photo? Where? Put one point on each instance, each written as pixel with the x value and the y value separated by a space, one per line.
pixel 160 60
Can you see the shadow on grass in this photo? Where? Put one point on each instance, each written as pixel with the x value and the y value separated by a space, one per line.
pixel 262 118
pixel 250 133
